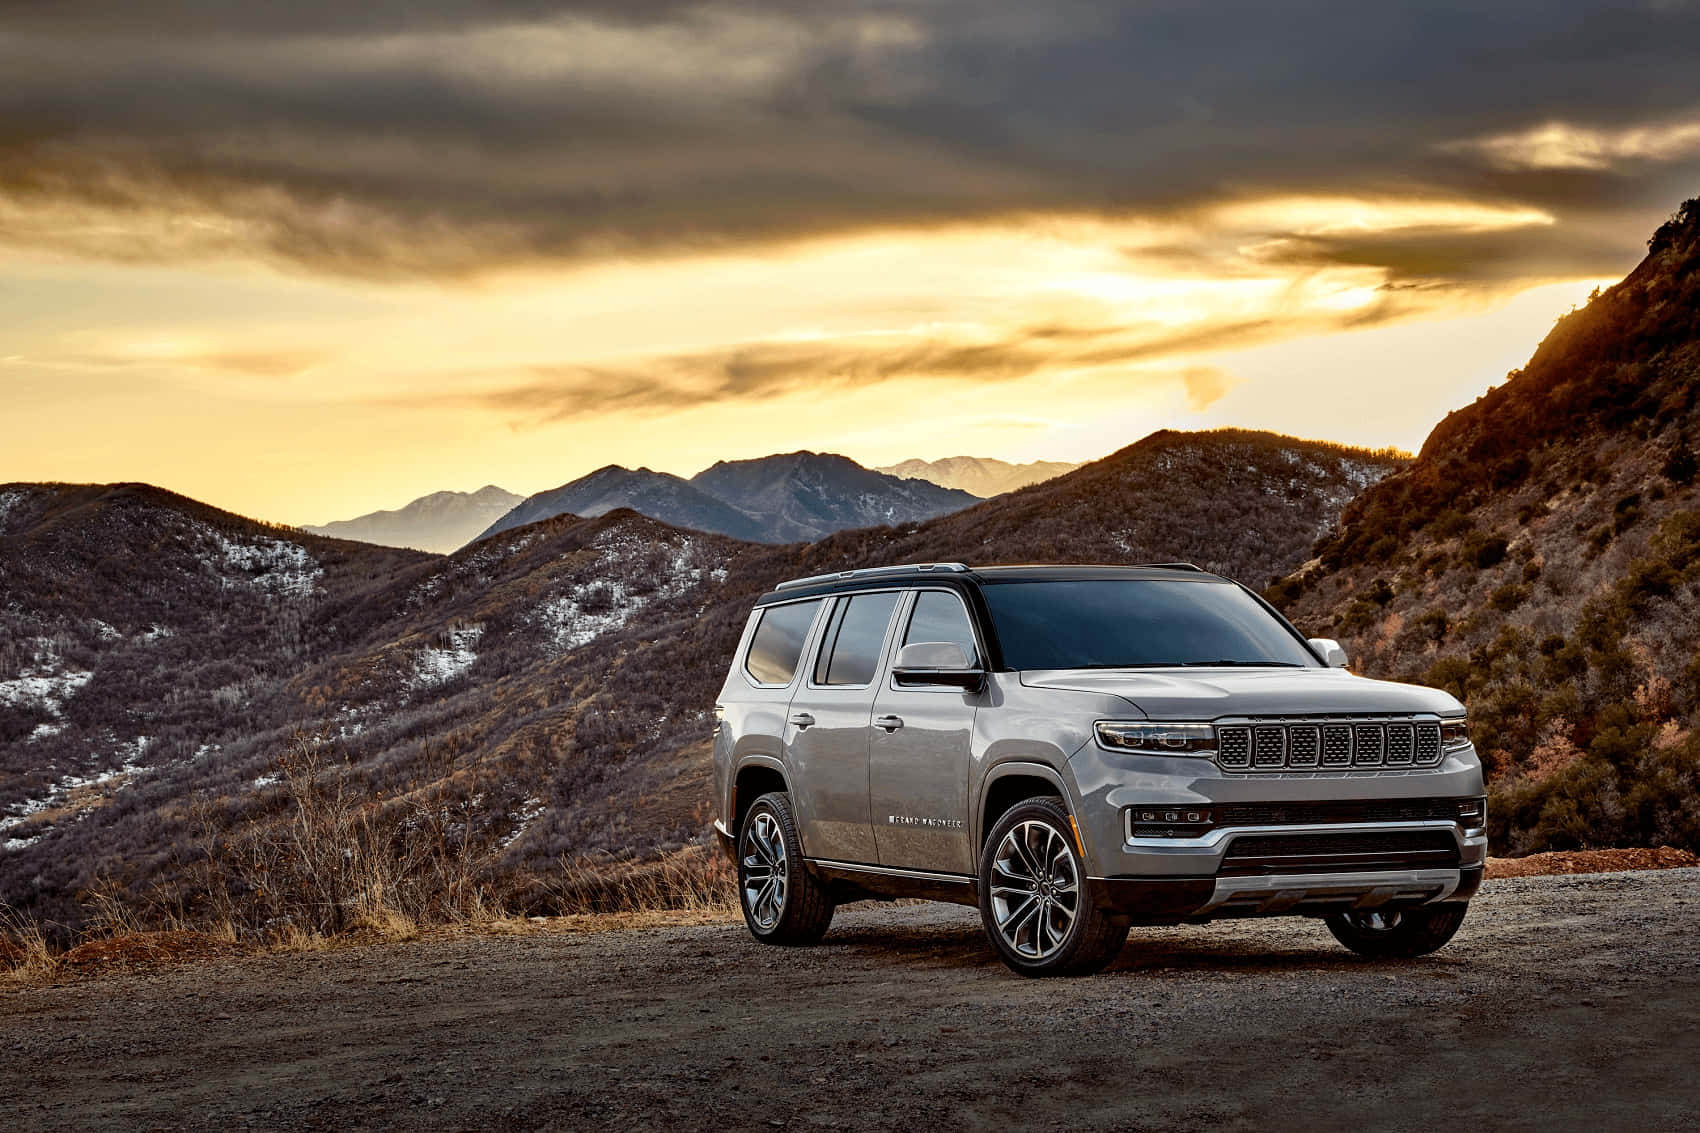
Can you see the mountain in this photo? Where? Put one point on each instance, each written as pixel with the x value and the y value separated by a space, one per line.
pixel 1541 559
pixel 658 495
pixel 805 495
pixel 439 522
pixel 555 680
pixel 776 499
pixel 978 475
pixel 1243 503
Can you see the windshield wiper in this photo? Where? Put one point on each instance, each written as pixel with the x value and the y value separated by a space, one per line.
pixel 1226 664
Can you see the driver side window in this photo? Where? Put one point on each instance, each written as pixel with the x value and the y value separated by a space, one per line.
pixel 939 616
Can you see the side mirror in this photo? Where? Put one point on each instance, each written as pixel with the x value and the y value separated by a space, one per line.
pixel 937 663
pixel 1330 651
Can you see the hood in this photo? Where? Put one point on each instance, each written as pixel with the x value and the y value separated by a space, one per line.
pixel 1206 694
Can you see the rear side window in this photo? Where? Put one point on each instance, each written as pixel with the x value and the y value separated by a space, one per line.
pixel 940 617
pixel 777 645
pixel 851 653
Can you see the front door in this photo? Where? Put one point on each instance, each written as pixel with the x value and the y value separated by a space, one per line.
pixel 827 729
pixel 919 751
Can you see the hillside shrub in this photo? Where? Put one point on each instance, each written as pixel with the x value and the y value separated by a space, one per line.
pixel 1483 550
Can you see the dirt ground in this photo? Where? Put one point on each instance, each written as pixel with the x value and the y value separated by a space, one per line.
pixel 1565 1002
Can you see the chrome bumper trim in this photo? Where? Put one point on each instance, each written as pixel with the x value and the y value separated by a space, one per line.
pixel 1274 893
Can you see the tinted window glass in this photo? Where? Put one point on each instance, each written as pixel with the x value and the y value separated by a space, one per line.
pixel 855 645
pixel 778 642
pixel 1112 624
pixel 940 617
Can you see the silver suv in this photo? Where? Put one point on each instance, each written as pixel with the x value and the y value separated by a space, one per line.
pixel 1079 749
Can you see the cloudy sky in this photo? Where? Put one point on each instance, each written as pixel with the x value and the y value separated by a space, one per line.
pixel 305 260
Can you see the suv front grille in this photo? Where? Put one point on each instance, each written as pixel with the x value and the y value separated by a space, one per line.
pixel 1343 745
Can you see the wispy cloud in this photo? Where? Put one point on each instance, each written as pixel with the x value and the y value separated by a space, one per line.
pixel 1565 146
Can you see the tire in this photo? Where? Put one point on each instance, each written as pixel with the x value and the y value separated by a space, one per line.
pixel 1398 933
pixel 1032 851
pixel 782 901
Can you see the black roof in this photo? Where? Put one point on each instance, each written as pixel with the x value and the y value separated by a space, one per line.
pixel 958 574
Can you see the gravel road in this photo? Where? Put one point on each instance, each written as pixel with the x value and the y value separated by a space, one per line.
pixel 1565 1002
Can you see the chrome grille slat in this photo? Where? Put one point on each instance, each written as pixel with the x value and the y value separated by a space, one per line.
pixel 1328 744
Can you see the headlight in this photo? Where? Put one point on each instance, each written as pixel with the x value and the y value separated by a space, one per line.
pixel 1455 734
pixel 1157 739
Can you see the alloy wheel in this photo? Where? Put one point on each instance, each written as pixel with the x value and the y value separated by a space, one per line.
pixel 765 870
pixel 1035 890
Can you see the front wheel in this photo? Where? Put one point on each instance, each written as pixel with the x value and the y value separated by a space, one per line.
pixel 1398 933
pixel 782 901
pixel 1034 899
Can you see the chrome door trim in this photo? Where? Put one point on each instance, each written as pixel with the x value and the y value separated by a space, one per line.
pixel 891 871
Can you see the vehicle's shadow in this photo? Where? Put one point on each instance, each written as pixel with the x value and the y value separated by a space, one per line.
pixel 1149 951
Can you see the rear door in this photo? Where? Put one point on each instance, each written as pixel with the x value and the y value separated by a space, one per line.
pixel 826 733
pixel 919 749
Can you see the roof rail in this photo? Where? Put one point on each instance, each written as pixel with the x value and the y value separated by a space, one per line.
pixel 1175 566
pixel 872 572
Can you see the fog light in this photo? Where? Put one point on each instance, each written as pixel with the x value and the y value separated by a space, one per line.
pixel 1148 822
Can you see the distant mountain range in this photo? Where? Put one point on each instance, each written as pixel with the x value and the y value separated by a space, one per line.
pixel 1540 557
pixel 566 668
pixel 439 522
pixel 979 475
pixel 790 498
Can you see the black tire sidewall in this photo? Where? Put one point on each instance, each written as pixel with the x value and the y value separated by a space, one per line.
pixel 1420 931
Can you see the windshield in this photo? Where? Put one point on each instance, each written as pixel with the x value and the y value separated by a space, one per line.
pixel 1128 623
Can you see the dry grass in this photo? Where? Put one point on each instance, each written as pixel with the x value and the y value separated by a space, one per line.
pixel 341 865
pixel 26 956
pixel 694 881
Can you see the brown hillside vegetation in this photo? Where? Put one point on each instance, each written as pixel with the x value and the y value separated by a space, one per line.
pixel 1541 559
pixel 541 700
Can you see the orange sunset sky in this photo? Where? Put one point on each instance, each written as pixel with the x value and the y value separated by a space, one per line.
pixel 305 261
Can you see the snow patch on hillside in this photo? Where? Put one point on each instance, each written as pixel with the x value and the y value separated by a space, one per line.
pixel 592 609
pixel 435 665
pixel 529 811
pixel 8 501
pixel 78 793
pixel 274 565
pixel 43 691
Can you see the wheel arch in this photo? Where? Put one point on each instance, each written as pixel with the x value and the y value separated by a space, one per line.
pixel 1010 783
pixel 755 777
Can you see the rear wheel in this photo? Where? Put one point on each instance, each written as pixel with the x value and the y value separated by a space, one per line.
pixel 1034 900
pixel 1398 933
pixel 782 901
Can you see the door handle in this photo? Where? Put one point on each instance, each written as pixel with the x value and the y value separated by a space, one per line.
pixel 802 719
pixel 889 723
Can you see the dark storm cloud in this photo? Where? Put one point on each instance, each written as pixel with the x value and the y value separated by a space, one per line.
pixel 444 137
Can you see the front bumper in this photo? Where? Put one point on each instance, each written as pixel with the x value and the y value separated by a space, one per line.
pixel 1207 855
pixel 1174 900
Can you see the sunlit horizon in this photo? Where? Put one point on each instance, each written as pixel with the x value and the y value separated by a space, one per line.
pixel 311 263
